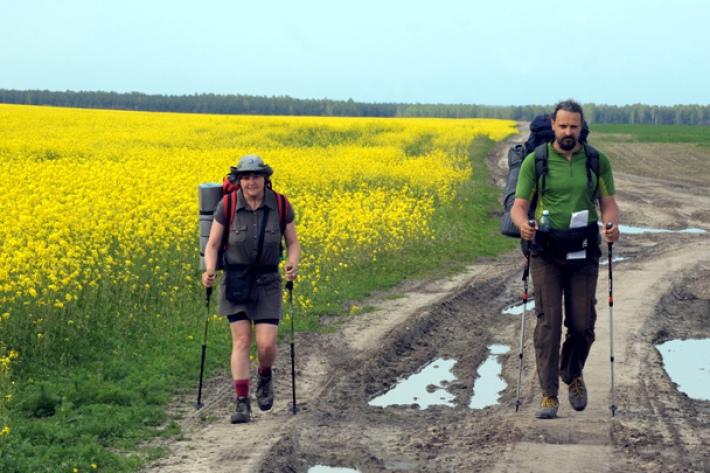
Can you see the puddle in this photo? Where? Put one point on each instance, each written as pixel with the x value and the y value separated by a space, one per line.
pixel 518 309
pixel 330 469
pixel 625 229
pixel 605 260
pixel 425 388
pixel 688 364
pixel 489 384
pixel 428 386
pixel 389 466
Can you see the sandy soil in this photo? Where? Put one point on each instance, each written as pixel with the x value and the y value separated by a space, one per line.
pixel 660 293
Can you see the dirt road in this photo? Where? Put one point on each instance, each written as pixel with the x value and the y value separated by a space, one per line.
pixel 661 292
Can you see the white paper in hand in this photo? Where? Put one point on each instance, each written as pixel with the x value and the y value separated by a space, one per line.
pixel 579 219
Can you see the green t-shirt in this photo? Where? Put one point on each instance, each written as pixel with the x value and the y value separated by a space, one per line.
pixel 566 189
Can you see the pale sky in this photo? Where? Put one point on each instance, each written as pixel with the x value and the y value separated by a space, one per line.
pixel 490 52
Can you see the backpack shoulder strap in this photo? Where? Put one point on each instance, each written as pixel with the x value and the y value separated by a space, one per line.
pixel 592 167
pixel 283 205
pixel 541 153
pixel 229 205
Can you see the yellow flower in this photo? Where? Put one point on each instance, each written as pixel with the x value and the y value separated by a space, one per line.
pixel 358 199
pixel 5 431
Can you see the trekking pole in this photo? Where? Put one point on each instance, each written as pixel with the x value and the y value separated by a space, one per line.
pixel 526 272
pixel 611 324
pixel 294 407
pixel 198 403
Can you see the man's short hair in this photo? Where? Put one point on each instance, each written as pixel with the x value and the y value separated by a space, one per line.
pixel 570 106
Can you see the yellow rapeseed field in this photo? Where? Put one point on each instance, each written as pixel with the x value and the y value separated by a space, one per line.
pixel 96 199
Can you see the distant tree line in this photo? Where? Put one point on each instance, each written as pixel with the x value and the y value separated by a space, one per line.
pixel 284 105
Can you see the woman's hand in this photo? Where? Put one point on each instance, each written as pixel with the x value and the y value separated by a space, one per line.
pixel 208 277
pixel 291 271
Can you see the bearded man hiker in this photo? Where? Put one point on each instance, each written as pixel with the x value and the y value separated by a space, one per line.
pixel 565 261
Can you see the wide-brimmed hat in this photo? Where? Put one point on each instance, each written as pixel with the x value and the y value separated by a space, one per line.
pixel 251 163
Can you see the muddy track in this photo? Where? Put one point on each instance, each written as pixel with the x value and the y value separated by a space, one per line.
pixel 656 428
pixel 661 292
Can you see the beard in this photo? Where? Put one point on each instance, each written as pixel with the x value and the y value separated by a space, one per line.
pixel 567 143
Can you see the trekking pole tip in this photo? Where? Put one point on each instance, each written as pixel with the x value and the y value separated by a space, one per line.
pixel 198 405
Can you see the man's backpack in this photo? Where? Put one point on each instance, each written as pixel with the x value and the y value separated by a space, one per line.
pixel 541 134
pixel 228 195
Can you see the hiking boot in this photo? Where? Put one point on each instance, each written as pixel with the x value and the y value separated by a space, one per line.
pixel 264 392
pixel 243 412
pixel 578 394
pixel 548 409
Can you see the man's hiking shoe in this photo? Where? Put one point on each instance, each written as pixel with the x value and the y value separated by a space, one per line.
pixel 548 410
pixel 578 394
pixel 243 412
pixel 264 392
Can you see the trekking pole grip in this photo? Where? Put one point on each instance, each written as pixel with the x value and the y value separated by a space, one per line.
pixel 609 225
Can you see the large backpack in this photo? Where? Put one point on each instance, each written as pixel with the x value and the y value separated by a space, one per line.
pixel 541 134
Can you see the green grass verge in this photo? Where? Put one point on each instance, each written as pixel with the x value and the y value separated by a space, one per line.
pixel 698 135
pixel 664 152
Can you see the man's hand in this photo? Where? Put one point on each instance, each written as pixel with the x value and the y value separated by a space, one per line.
pixel 610 232
pixel 527 232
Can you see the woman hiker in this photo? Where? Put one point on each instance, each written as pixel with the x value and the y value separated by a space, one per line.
pixel 253 248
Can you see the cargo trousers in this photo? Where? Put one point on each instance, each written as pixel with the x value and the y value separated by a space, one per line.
pixel 559 283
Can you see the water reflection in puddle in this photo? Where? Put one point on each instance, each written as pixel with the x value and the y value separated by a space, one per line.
pixel 605 259
pixel 428 386
pixel 518 309
pixel 425 388
pixel 489 384
pixel 638 230
pixel 688 364
pixel 330 469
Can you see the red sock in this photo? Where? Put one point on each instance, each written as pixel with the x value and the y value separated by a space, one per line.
pixel 242 387
pixel 264 371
